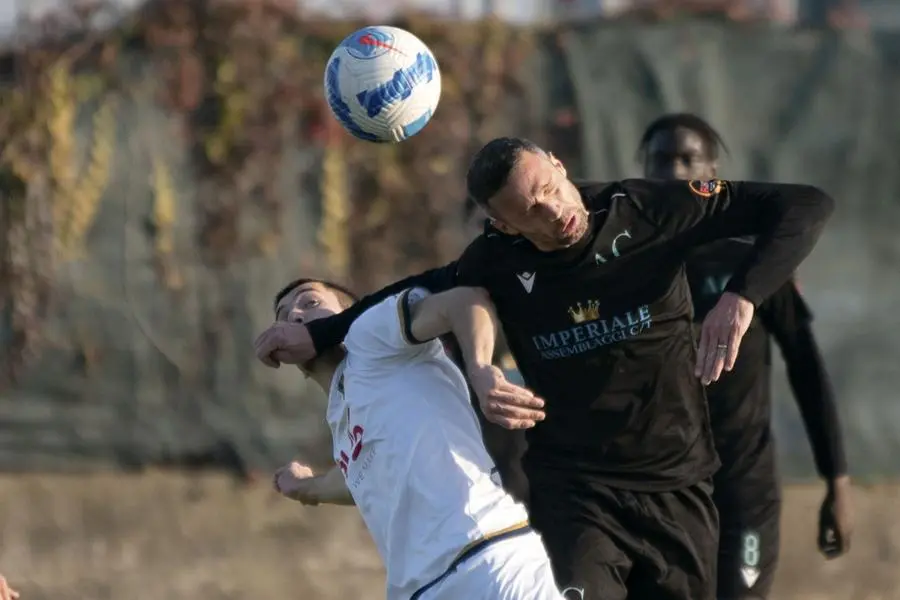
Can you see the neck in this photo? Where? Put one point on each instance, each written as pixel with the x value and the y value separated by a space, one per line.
pixel 323 368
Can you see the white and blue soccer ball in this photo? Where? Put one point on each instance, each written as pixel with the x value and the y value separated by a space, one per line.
pixel 382 84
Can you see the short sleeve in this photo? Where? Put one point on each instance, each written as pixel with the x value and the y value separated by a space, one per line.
pixel 384 330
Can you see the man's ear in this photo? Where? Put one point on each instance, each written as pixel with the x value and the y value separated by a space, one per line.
pixel 503 227
pixel 557 163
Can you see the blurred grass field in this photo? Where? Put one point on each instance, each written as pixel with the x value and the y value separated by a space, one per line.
pixel 203 537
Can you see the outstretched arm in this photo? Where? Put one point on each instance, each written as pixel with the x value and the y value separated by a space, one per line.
pixel 466 312
pixel 298 482
pixel 786 220
pixel 296 343
pixel 469 315
pixel 789 320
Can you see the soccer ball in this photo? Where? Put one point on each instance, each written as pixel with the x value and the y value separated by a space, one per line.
pixel 382 84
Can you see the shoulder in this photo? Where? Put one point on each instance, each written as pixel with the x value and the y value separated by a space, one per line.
pixel 598 195
pixel 487 248
pixel 637 193
pixel 376 318
pixel 384 331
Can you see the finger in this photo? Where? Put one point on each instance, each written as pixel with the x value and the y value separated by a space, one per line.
pixel 734 344
pixel 703 349
pixel 508 423
pixel 516 399
pixel 282 357
pixel 300 471
pixel 266 344
pixel 713 358
pixel 519 395
pixel 717 364
pixel 515 412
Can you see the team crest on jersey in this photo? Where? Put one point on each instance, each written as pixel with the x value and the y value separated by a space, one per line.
pixel 706 189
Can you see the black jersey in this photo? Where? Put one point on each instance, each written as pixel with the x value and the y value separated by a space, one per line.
pixel 603 330
pixel 740 402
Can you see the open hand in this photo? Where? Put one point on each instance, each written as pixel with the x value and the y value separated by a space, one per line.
pixel 504 403
pixel 297 482
pixel 836 519
pixel 720 338
pixel 285 342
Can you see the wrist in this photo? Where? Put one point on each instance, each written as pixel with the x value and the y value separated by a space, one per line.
pixel 838 483
pixel 744 295
pixel 477 366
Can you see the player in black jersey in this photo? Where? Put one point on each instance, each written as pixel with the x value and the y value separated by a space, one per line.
pixel 590 289
pixel 747 491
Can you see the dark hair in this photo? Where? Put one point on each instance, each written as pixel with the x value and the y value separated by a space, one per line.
pixel 346 297
pixel 688 121
pixel 491 165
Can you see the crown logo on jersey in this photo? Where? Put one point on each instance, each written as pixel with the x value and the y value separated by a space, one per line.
pixel 582 314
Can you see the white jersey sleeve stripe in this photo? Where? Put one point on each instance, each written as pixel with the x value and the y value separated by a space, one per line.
pixel 385 330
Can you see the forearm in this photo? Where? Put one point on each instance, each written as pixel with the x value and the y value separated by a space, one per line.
pixel 331 488
pixel 473 321
pixel 329 332
pixel 789 224
pixel 465 312
pixel 815 397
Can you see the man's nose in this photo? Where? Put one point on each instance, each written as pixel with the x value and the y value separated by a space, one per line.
pixel 554 211
pixel 681 171
pixel 668 170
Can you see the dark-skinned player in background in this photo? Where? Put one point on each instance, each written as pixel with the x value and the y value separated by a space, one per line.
pixel 590 289
pixel 747 490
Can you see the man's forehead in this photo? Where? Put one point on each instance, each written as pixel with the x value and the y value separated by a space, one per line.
pixel 677 139
pixel 529 172
pixel 294 295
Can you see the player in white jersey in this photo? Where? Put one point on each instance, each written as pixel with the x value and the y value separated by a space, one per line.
pixel 409 451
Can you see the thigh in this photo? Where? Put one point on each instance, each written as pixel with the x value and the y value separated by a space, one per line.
pixel 675 547
pixel 578 530
pixel 748 545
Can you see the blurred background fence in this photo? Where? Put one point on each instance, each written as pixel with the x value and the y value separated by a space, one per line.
pixel 164 177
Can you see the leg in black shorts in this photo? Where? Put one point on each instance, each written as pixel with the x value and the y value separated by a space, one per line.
pixel 609 544
pixel 750 513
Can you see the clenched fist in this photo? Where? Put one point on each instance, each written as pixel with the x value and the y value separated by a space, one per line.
pixel 297 482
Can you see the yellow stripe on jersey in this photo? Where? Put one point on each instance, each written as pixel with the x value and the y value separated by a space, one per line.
pixel 489 536
pixel 405 318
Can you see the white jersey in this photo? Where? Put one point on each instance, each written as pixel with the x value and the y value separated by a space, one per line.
pixel 410 446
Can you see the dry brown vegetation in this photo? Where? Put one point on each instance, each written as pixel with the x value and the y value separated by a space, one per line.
pixel 202 537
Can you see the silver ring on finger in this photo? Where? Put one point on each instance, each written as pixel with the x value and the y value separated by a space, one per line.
pixel 722 348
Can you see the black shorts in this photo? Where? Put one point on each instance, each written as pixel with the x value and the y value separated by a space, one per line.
pixel 750 515
pixel 609 544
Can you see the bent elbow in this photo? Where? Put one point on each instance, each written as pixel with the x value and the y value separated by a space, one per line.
pixel 472 295
pixel 824 202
